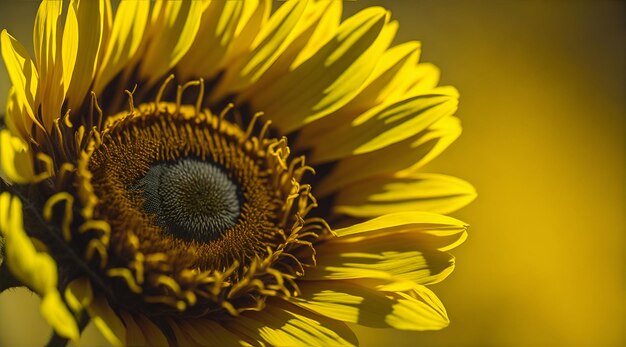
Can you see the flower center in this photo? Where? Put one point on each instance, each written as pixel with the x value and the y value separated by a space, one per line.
pixel 189 185
pixel 204 213
pixel 191 199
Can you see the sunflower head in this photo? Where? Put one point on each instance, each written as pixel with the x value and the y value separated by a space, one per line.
pixel 196 204
pixel 160 163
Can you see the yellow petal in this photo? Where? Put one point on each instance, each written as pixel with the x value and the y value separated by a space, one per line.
pixel 352 303
pixel 45 34
pixel 16 161
pixel 107 321
pixel 417 192
pixel 267 46
pixel 407 256
pixel 423 77
pixel 282 324
pixel 273 39
pixel 394 286
pixel 384 126
pixel 438 137
pixel 326 17
pixel 387 83
pixel 35 269
pixel 333 75
pixel 55 312
pixel 126 35
pixel 317 25
pixel 47 42
pixel 404 157
pixel 173 31
pixel 107 24
pixel 90 18
pixel 14 118
pixel 389 78
pixel 22 72
pixel 217 30
pixel 415 222
pixel 420 305
pixel 254 16
pixel 69 46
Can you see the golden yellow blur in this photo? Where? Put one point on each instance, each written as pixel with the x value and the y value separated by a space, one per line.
pixel 543 105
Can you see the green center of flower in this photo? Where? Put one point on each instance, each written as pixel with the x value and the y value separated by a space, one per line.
pixel 191 199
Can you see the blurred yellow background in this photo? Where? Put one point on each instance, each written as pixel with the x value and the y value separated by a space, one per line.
pixel 543 104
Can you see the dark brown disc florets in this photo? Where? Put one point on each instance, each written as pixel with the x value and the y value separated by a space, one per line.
pixel 204 215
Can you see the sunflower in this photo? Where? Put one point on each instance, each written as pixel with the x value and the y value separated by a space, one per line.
pixel 219 173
